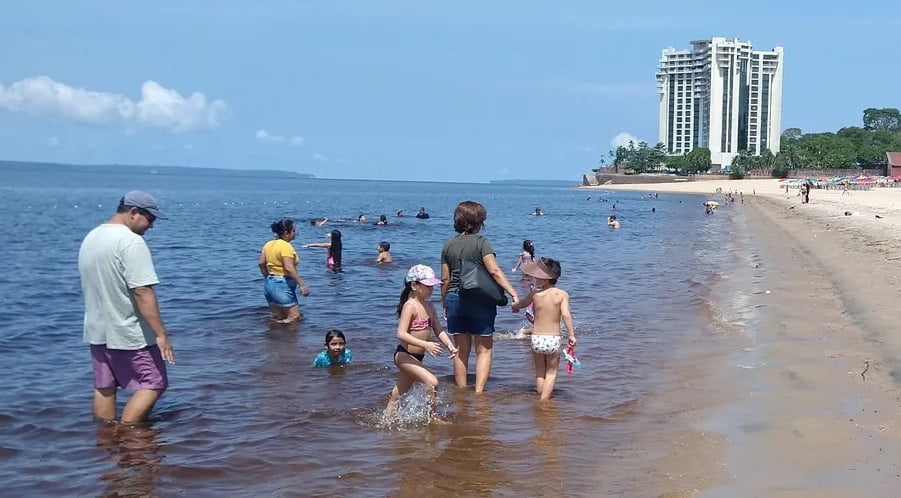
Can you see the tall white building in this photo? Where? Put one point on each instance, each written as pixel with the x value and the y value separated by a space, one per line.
pixel 723 95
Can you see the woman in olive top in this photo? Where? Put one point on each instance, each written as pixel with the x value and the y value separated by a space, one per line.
pixel 278 264
pixel 468 320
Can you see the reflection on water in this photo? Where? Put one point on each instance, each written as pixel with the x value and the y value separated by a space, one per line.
pixel 135 454
pixel 247 414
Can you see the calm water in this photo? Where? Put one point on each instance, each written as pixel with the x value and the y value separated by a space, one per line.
pixel 247 415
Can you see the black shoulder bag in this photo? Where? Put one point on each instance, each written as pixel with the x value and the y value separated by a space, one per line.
pixel 476 283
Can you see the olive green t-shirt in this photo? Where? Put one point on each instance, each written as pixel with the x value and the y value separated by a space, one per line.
pixel 469 247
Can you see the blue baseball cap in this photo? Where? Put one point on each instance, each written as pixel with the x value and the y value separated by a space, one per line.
pixel 145 201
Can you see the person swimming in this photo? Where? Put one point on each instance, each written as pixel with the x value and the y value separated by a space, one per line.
pixel 384 256
pixel 335 352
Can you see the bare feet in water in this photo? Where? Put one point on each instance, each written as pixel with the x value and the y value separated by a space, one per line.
pixel 290 320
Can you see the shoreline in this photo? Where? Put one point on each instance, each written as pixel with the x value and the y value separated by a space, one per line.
pixel 804 400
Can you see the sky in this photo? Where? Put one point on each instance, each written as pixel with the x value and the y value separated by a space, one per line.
pixel 467 90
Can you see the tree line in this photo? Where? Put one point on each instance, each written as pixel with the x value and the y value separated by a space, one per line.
pixel 850 147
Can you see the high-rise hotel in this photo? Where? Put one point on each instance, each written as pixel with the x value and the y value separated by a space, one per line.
pixel 723 95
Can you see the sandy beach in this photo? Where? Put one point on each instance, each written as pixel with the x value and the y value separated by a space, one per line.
pixel 803 402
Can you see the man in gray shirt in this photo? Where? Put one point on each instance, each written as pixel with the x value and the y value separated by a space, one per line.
pixel 122 323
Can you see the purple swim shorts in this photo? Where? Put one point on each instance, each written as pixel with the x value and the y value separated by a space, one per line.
pixel 130 369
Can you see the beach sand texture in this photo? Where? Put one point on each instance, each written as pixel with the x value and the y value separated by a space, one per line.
pixel 807 403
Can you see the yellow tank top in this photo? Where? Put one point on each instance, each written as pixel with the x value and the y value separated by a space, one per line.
pixel 274 251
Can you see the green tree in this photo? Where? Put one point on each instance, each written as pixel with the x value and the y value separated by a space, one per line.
pixel 792 134
pixel 678 164
pixel 699 160
pixel 737 172
pixel 882 119
pixel 767 159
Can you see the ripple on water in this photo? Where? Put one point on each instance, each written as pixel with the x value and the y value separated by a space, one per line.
pixel 246 414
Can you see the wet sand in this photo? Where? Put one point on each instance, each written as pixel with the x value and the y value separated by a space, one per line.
pixel 803 399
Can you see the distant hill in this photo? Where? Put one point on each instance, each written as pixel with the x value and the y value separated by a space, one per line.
pixel 148 170
pixel 535 183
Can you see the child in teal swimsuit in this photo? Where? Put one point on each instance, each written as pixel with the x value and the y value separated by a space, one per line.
pixel 335 351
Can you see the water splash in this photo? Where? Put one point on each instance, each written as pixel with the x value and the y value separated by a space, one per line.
pixel 413 411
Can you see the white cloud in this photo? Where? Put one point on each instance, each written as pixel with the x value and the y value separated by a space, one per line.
pixel 264 136
pixel 319 157
pixel 159 107
pixel 623 138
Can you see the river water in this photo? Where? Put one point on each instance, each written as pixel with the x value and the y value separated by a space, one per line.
pixel 247 415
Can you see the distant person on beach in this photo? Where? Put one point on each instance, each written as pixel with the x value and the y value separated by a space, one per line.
pixel 422 215
pixel 318 222
pixel 384 256
pixel 278 265
pixel 612 222
pixel 417 322
pixel 383 220
pixel 122 323
pixel 469 319
pixel 526 256
pixel 551 306
pixel 334 246
pixel 336 352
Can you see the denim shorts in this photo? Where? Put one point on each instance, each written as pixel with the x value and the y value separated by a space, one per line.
pixel 468 316
pixel 280 291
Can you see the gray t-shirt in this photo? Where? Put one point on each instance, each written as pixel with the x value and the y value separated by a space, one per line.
pixel 112 261
pixel 468 247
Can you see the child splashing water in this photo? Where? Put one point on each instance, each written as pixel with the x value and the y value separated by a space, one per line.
pixel 551 306
pixel 417 321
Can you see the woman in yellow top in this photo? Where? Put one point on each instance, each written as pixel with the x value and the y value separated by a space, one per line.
pixel 278 264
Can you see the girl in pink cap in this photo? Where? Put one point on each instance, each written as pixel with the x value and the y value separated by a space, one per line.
pixel 417 321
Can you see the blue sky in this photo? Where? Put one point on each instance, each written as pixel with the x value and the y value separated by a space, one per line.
pixel 400 89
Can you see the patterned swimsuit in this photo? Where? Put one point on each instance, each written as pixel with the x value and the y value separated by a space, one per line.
pixel 416 325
